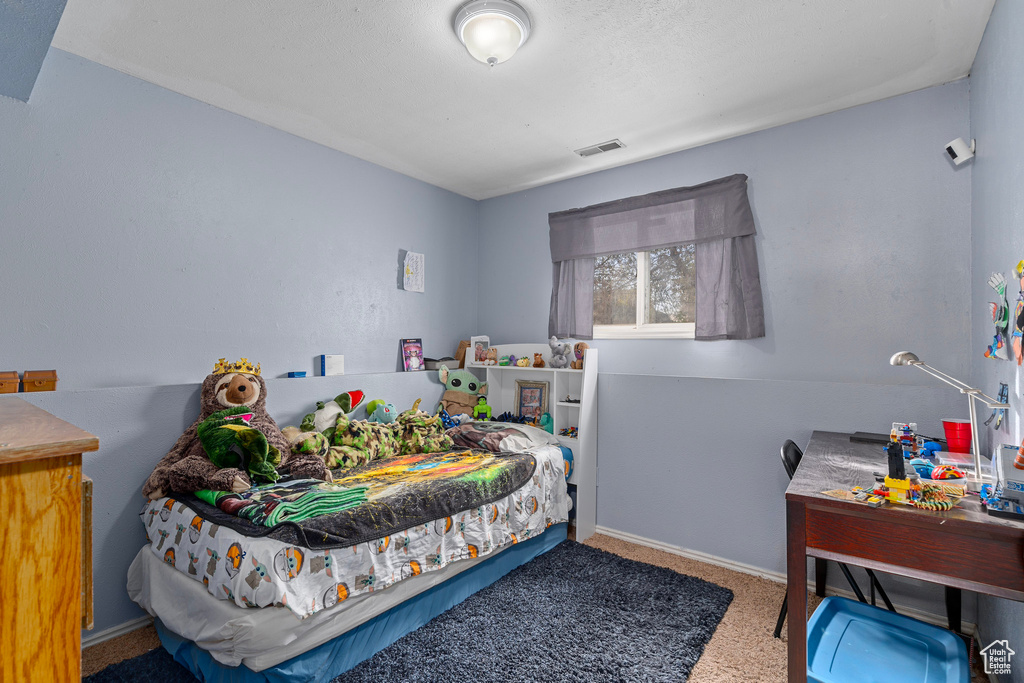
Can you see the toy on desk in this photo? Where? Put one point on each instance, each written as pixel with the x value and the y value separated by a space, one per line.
pixel 897 467
pixel 523 362
pixel 504 360
pixel 905 433
pixel 998 506
pixel 481 409
pixel 546 423
pixel 947 472
pixel 999 413
pixel 923 467
pixel 1000 310
pixel 571 432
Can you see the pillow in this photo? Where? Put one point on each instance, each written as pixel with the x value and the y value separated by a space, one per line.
pixel 499 436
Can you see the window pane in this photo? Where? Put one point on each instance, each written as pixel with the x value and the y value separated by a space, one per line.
pixel 615 289
pixel 672 297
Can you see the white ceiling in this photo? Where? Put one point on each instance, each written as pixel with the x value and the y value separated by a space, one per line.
pixel 389 82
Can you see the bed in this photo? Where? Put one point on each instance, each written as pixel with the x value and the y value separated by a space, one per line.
pixel 239 599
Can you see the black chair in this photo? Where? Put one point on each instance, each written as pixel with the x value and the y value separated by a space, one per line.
pixel 791 455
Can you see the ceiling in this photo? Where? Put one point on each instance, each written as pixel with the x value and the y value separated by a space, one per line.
pixel 389 82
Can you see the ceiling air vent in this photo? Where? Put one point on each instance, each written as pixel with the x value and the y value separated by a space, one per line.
pixel 602 147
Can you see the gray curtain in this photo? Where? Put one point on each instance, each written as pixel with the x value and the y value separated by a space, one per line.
pixel 715 216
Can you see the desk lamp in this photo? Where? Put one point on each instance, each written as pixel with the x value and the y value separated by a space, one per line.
pixel 908 358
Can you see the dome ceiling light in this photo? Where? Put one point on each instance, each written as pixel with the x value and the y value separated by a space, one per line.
pixel 492 30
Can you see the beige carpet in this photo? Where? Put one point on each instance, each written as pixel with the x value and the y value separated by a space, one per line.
pixel 742 648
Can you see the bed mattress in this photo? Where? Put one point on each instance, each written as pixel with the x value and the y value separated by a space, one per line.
pixel 264 571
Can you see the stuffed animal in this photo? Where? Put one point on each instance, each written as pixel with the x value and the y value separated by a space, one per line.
pixel 538 360
pixel 492 356
pixel 357 442
pixel 461 390
pixel 523 362
pixel 419 432
pixel 578 351
pixel 324 418
pixel 229 441
pixel 384 413
pixel 187 467
pixel 560 353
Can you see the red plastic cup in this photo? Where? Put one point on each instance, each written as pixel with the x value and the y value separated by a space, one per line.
pixel 958 435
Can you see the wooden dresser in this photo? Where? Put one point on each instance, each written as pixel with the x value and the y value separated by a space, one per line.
pixel 41 544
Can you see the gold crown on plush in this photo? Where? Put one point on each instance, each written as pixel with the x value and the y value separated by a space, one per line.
pixel 243 365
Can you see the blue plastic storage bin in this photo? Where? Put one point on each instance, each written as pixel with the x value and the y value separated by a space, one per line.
pixel 850 641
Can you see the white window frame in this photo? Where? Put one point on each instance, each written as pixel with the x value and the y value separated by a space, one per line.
pixel 643 329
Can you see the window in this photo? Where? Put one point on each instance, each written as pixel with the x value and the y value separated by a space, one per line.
pixel 645 294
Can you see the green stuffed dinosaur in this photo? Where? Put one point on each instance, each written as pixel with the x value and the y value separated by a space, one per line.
pixel 325 417
pixel 229 441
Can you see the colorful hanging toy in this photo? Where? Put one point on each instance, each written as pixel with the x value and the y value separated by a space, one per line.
pixel 1000 310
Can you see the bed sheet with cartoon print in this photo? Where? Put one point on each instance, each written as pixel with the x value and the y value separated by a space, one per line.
pixel 259 571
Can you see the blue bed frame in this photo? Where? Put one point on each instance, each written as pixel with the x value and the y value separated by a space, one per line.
pixel 341 654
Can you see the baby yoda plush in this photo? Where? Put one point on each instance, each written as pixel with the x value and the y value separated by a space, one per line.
pixel 461 389
pixel 559 353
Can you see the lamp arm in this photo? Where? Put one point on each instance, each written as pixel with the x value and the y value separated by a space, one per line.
pixel 952 381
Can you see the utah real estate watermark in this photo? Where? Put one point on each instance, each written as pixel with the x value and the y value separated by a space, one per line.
pixel 997 656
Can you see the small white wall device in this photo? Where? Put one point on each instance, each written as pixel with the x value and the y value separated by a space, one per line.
pixel 959 151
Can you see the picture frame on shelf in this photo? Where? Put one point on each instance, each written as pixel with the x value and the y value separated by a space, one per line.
pixel 477 352
pixel 531 399
pixel 412 354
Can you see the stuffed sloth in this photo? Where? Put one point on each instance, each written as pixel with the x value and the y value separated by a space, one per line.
pixel 188 467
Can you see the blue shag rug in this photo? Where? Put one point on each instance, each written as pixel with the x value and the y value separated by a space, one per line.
pixel 574 614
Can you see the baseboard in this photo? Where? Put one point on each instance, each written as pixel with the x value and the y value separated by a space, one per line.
pixel 938 620
pixel 115 631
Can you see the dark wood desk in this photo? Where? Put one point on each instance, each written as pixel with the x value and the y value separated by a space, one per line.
pixel 962 548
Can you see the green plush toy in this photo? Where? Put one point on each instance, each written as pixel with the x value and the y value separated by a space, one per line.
pixel 229 441
pixel 324 418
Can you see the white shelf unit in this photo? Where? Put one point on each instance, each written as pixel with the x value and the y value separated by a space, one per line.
pixel 562 383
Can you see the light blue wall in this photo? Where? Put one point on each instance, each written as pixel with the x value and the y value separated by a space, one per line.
pixel 997 101
pixel 146 235
pixel 26 29
pixel 864 227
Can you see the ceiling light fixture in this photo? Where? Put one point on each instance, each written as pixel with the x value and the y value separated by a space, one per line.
pixel 492 30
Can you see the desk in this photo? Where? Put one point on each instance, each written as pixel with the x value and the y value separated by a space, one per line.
pixel 961 549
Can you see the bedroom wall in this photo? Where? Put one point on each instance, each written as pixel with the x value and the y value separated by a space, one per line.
pixel 146 235
pixel 997 99
pixel 864 231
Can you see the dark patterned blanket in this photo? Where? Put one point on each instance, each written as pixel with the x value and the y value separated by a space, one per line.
pixel 400 493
